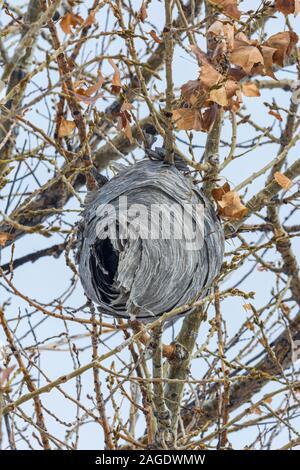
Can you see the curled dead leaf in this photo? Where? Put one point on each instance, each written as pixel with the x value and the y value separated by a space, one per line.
pixel 80 95
pixel 268 54
pixel 219 95
pixel 90 19
pixel 155 37
pixel 69 21
pixel 125 119
pixel 223 94
pixel 89 95
pixel 276 115
pixel 191 91
pixel 218 193
pixel 246 56
pixel 231 207
pixel 94 88
pixel 249 325
pixel 66 128
pixel 116 80
pixel 5 237
pixel 209 76
pixel 195 119
pixel 143 14
pixel 283 180
pixel 209 116
pixel 247 307
pixel 187 119
pixel 229 203
pixel 284 43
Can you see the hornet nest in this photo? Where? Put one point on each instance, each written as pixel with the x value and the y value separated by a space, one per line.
pixel 138 277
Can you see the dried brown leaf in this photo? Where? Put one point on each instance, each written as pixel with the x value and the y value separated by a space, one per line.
pixel 94 88
pixel 116 80
pixel 194 119
pixel 66 128
pixel 209 117
pixel 69 21
pixel 246 56
pixel 227 95
pixel 283 180
pixel 232 90
pixel 124 120
pixel 231 206
pixel 186 119
pixel 85 94
pixel 284 43
pixel 143 14
pixel 5 237
pixel 268 54
pixel 219 95
pixel 209 76
pixel 276 115
pixel 155 37
pixel 190 91
pixel 218 193
pixel 247 307
pixel 90 19
pixel 236 73
pixel 249 325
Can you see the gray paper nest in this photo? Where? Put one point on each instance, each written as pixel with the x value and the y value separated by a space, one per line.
pixel 140 278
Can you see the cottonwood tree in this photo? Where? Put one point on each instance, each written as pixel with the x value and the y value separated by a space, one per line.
pixel 218 81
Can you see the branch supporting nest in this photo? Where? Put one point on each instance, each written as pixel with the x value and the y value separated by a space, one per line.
pixel 173 352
